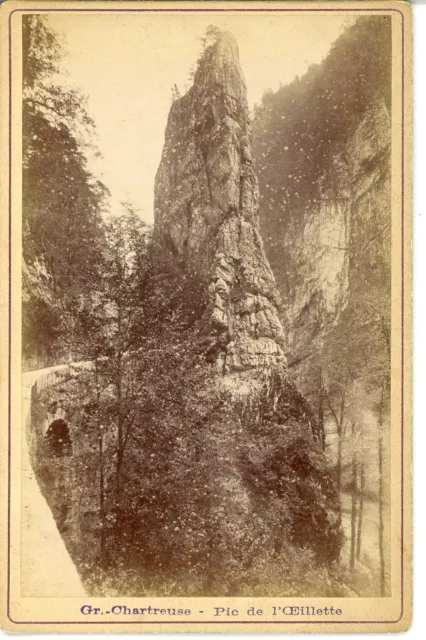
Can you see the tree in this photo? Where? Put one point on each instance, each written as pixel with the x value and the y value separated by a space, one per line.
pixel 341 424
pixel 127 243
pixel 212 33
pixel 114 324
pixel 175 93
pixel 385 388
pixel 354 469
pixel 321 402
pixel 360 512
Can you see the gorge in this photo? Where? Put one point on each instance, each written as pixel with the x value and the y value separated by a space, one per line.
pixel 211 436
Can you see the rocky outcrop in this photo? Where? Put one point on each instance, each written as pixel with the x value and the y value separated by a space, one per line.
pixel 322 245
pixel 207 210
pixel 322 154
pixel 264 437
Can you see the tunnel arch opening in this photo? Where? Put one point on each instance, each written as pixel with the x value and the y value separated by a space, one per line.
pixel 58 439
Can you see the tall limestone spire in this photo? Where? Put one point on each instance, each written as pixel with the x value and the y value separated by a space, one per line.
pixel 207 210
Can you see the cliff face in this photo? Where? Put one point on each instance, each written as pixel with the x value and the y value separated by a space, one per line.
pixel 39 309
pixel 322 154
pixel 326 245
pixel 207 211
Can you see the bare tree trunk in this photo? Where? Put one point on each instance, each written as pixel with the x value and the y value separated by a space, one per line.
pixel 353 504
pixel 340 432
pixel 101 467
pixel 321 411
pixel 101 491
pixel 120 429
pixel 119 452
pixel 339 462
pixel 381 496
pixel 340 436
pixel 360 511
pixel 120 434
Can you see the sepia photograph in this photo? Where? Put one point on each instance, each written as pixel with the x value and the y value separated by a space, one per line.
pixel 210 351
